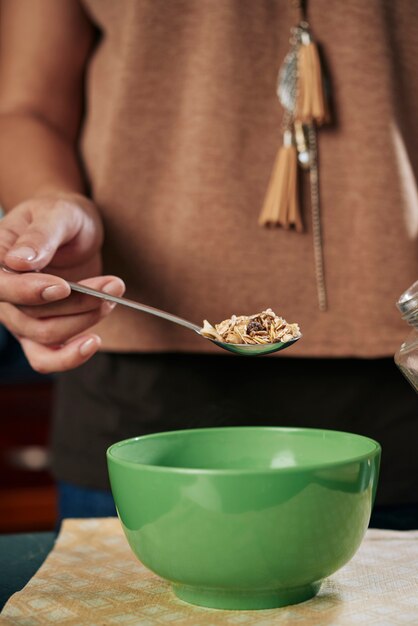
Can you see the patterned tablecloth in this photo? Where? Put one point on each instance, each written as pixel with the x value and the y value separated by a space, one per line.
pixel 91 578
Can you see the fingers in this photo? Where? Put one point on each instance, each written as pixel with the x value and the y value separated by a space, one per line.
pixel 32 288
pixel 50 333
pixel 79 303
pixel 55 331
pixel 74 304
pixel 51 330
pixel 40 230
pixel 37 236
pixel 46 360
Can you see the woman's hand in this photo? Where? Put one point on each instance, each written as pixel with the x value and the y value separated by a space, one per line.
pixel 55 237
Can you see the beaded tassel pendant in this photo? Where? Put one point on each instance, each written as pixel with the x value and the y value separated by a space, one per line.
pixel 300 90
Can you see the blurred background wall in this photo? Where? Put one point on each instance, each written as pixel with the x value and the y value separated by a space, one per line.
pixel 27 491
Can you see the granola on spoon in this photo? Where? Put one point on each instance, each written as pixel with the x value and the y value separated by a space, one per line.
pixel 261 328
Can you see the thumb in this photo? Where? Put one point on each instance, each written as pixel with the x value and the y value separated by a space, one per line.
pixel 36 239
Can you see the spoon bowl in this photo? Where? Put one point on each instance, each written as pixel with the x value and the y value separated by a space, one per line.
pixel 254 349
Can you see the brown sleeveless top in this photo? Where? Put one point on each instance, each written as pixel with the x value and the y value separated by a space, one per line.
pixel 181 131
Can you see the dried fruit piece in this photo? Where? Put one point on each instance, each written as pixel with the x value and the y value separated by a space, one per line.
pixel 254 326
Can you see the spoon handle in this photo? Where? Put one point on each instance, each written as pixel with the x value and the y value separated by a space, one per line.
pixel 135 305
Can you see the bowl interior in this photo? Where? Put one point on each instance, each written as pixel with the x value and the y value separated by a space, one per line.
pixel 247 448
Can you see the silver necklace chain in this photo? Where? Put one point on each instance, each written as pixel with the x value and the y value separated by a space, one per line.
pixel 316 220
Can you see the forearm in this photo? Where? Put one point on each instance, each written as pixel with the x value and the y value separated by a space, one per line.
pixel 35 159
pixel 53 234
pixel 45 46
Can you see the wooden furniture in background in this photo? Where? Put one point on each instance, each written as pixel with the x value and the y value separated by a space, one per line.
pixel 27 490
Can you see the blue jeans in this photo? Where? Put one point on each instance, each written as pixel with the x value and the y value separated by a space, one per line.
pixel 74 501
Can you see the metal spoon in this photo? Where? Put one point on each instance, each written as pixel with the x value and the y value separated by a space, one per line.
pixel 241 348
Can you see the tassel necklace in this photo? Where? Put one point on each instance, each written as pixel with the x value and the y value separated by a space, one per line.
pixel 301 93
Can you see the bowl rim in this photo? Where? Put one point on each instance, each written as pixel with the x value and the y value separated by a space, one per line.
pixel 376 450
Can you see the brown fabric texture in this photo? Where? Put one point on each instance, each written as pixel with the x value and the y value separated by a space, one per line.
pixel 181 132
pixel 92 577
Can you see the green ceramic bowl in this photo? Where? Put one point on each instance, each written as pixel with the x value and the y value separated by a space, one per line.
pixel 244 518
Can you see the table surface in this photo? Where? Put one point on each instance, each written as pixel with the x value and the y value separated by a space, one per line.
pixel 21 555
pixel 92 576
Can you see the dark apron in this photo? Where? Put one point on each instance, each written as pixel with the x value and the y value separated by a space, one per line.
pixel 115 396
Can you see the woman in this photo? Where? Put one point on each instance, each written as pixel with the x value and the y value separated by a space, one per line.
pixel 137 141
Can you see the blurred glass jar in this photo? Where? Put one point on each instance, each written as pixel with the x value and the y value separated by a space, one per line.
pixel 407 356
